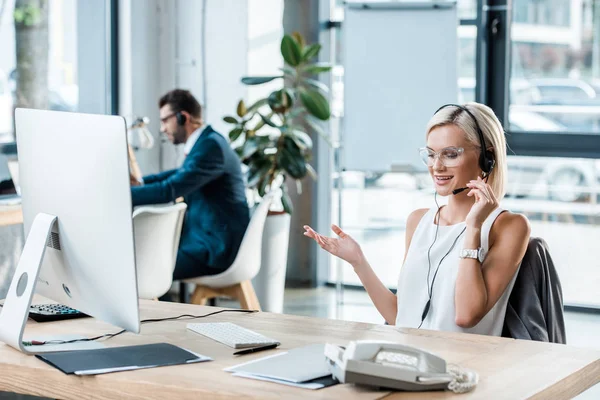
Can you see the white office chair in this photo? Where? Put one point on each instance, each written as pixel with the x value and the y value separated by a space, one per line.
pixel 157 230
pixel 235 281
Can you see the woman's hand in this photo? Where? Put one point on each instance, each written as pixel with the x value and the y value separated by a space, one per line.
pixel 343 247
pixel 485 203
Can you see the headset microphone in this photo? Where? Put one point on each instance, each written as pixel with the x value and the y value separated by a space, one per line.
pixel 459 190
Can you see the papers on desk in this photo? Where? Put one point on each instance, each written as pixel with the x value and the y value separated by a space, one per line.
pixel 317 383
pixel 303 367
pixel 114 359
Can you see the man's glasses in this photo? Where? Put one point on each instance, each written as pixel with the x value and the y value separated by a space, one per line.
pixel 449 156
pixel 165 119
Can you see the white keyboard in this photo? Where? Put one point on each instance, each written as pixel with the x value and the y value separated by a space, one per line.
pixel 231 335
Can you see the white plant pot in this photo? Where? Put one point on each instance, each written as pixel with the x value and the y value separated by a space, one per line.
pixel 269 283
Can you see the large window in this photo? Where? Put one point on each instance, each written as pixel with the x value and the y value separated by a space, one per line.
pixel 56 55
pixel 38 67
pixel 554 89
pixel 375 205
pixel 555 77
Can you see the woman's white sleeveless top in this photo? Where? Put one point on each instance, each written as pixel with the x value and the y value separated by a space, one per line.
pixel 413 285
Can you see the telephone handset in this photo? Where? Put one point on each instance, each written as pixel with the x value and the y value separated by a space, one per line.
pixel 395 366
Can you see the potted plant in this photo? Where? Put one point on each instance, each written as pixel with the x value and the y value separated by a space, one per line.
pixel 270 136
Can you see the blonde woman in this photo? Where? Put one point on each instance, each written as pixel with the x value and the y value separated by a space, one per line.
pixel 461 259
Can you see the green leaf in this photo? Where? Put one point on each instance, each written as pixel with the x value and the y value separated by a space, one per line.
pixel 287 202
pixel 258 104
pixel 239 150
pixel 316 84
pixel 267 121
pixel 291 160
pixel 258 80
pixel 250 147
pixel 19 15
pixel 317 68
pixel 296 112
pixel 304 138
pixel 262 185
pixel 259 125
pixel 27 15
pixel 234 134
pixel 297 36
pixel 316 104
pixel 311 51
pixel 288 71
pixel 290 50
pixel 255 175
pixel 241 109
pixel 230 120
pixel 280 101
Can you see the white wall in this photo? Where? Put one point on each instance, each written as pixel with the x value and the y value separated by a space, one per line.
pixel 161 48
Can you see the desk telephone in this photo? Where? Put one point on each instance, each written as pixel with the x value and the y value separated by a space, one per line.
pixel 395 366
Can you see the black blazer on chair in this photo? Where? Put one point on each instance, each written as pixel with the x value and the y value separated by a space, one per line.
pixel 211 183
pixel 535 305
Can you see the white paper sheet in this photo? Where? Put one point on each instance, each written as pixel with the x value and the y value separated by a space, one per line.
pixel 309 385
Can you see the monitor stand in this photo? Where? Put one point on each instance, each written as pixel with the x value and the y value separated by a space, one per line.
pixel 18 300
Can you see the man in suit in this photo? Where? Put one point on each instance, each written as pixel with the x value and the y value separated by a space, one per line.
pixel 211 183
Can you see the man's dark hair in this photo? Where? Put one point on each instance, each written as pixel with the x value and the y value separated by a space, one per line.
pixel 181 100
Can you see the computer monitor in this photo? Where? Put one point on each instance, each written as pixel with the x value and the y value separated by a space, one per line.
pixel 77 212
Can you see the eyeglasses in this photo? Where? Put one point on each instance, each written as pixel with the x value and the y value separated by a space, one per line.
pixel 449 156
pixel 165 119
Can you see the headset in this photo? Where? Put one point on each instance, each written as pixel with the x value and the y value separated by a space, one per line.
pixel 181 118
pixel 430 288
pixel 487 161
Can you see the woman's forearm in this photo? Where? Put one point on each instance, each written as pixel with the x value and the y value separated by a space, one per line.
pixel 385 301
pixel 470 296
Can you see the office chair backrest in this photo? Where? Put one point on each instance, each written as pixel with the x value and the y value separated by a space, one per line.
pixel 157 230
pixel 248 259
pixel 535 305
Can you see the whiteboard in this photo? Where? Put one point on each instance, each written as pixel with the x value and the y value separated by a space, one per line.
pixel 400 65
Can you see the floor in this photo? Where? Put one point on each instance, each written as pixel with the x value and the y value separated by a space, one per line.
pixel 583 330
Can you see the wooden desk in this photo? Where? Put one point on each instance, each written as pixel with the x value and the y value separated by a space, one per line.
pixel 508 369
pixel 10 215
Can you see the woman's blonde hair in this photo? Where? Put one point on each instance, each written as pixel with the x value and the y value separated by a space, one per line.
pixel 493 134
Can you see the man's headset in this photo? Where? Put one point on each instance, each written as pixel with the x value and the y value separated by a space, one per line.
pixel 180 118
pixel 487 160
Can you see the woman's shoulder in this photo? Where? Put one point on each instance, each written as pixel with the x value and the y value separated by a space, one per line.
pixel 412 223
pixel 510 223
pixel 415 217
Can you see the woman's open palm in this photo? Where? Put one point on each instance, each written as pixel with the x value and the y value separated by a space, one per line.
pixel 343 246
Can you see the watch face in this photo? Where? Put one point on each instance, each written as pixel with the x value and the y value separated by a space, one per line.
pixel 481 254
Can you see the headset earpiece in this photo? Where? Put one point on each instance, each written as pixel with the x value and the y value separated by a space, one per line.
pixel 487 162
pixel 181 118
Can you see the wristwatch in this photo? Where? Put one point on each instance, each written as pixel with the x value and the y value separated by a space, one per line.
pixel 477 254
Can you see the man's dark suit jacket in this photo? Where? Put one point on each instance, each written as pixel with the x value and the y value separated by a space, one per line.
pixel 211 183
